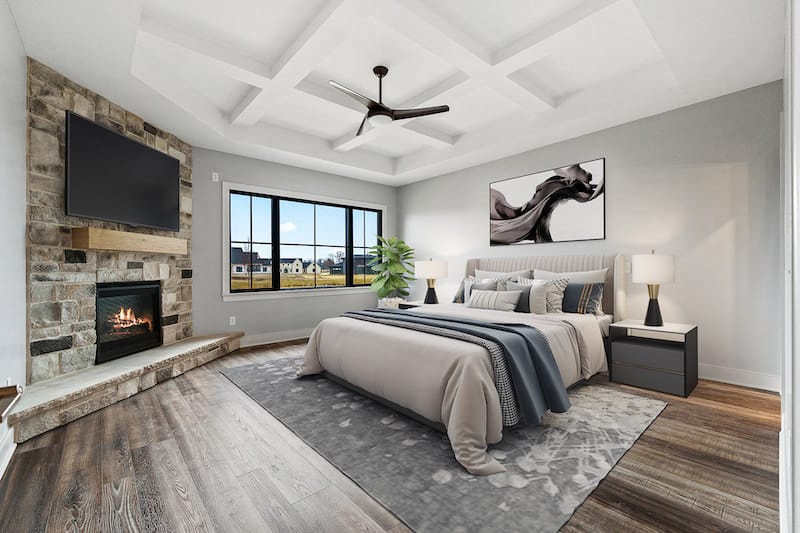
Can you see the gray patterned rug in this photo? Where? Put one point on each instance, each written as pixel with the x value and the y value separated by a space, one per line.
pixel 411 470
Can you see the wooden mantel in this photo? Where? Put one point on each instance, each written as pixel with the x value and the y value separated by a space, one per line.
pixel 123 241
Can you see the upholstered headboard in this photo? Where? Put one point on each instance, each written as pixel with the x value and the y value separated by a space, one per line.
pixel 613 295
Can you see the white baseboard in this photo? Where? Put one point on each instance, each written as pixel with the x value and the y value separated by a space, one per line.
pixel 7 447
pixel 278 336
pixel 737 376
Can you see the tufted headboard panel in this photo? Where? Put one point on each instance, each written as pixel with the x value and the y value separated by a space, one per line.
pixel 613 296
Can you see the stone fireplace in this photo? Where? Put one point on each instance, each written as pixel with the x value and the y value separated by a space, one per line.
pixel 64 281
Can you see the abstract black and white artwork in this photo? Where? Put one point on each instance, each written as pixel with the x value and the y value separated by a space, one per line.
pixel 558 205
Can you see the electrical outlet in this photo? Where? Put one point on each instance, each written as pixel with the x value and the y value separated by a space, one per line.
pixel 215 176
pixel 8 381
pixel 232 320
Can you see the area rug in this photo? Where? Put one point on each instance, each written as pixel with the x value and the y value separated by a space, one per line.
pixel 410 468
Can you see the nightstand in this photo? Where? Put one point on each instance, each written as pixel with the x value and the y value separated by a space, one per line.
pixel 661 358
pixel 410 305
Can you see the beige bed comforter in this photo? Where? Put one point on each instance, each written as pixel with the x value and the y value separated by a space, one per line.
pixel 447 380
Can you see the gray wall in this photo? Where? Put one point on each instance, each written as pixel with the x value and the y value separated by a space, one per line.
pixel 273 319
pixel 12 203
pixel 701 182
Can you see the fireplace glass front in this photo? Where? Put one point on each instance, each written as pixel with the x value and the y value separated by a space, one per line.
pixel 128 318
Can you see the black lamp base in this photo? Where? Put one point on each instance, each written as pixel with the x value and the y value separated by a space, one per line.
pixel 430 296
pixel 653 316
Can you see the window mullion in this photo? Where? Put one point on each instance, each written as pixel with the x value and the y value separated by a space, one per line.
pixel 276 244
pixel 348 248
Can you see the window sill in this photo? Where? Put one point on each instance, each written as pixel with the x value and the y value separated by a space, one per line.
pixel 296 293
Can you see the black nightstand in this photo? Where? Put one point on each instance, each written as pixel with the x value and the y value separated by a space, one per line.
pixel 409 305
pixel 662 358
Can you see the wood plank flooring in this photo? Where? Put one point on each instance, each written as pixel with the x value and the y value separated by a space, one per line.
pixel 196 454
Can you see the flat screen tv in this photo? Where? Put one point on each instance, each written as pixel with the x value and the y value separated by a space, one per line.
pixel 111 177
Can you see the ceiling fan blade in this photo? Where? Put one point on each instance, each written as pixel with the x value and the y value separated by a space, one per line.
pixel 361 127
pixel 363 100
pixel 399 114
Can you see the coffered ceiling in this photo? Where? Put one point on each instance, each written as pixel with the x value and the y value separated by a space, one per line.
pixel 250 76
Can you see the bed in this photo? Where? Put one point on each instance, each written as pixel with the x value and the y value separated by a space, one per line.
pixel 450 380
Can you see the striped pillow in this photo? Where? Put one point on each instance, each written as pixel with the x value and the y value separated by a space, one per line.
pixel 583 298
pixel 497 300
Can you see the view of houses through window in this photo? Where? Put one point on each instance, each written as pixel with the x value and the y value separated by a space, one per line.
pixel 283 243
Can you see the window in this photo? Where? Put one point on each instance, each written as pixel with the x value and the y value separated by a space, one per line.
pixel 282 243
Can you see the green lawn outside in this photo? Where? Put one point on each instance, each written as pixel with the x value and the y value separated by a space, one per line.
pixel 264 281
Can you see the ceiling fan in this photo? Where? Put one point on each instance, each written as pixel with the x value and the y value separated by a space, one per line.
pixel 379 114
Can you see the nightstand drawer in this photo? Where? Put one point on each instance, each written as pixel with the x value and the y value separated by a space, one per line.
pixel 647 354
pixel 649 379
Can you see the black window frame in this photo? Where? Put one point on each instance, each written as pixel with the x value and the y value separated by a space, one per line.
pixel 276 241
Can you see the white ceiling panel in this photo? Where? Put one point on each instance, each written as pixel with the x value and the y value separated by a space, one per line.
pixel 606 45
pixel 412 68
pixel 473 110
pixel 260 29
pixel 250 77
pixel 507 22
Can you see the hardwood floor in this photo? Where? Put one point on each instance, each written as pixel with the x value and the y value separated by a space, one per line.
pixel 196 454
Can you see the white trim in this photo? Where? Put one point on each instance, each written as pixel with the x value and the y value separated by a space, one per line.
pixel 737 376
pixel 7 447
pixel 789 454
pixel 293 293
pixel 227 186
pixel 249 341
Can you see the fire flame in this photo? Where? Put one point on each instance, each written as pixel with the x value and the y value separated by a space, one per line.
pixel 126 318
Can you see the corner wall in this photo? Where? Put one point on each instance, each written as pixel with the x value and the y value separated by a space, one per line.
pixel 701 182
pixel 273 319
pixel 12 213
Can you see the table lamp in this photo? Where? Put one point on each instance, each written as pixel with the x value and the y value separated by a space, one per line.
pixel 431 271
pixel 653 269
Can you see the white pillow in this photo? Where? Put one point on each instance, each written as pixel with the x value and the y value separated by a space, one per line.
pixel 484 274
pixel 537 299
pixel 554 292
pixel 586 276
pixel 497 300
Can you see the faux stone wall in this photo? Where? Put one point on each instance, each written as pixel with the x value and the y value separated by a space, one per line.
pixel 62 280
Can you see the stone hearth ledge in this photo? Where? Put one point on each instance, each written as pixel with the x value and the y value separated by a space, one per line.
pixel 50 404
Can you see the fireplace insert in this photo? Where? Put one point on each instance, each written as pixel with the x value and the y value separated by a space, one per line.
pixel 128 318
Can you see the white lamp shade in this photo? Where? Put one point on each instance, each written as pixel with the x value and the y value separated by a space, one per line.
pixel 430 269
pixel 653 268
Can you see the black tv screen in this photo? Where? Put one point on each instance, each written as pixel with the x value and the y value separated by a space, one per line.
pixel 111 177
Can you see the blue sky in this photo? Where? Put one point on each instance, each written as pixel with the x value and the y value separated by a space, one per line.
pixel 298 226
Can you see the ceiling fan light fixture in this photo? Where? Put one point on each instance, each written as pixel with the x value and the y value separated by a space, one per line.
pixel 379 114
pixel 379 120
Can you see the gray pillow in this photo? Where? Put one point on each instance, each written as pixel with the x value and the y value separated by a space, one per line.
pixel 533 298
pixel 497 300
pixel 471 283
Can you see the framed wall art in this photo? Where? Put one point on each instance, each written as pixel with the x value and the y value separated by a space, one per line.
pixel 558 205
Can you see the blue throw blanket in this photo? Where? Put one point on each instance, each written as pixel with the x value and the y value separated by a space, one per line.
pixel 537 381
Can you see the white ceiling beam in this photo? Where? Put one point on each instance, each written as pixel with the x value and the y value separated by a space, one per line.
pixel 330 95
pixel 351 141
pixel 146 67
pixel 329 27
pixel 290 141
pixel 220 59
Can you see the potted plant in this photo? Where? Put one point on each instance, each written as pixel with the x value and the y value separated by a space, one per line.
pixel 392 262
